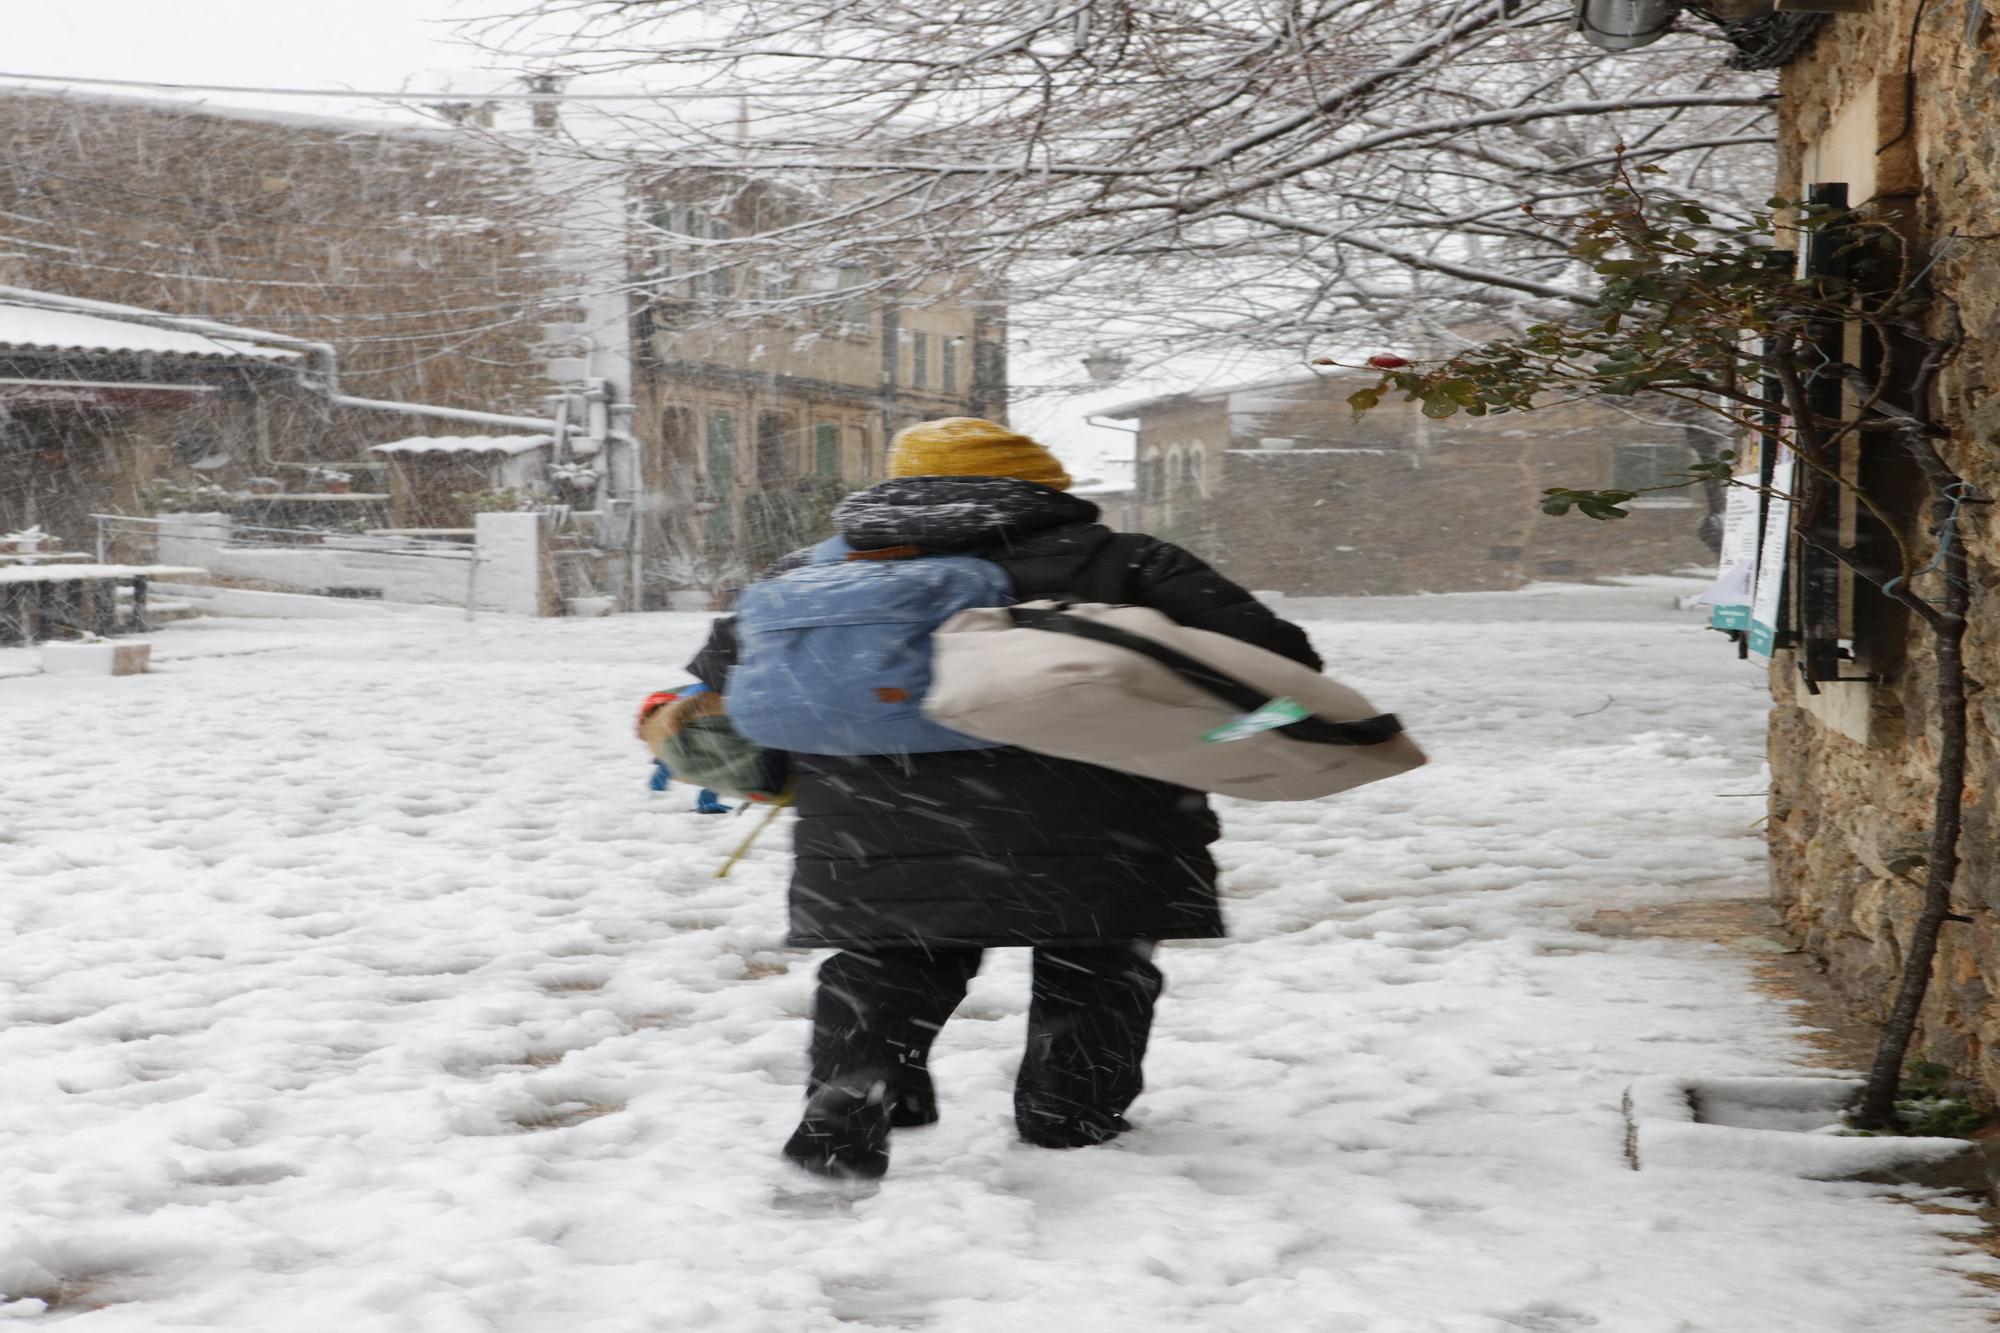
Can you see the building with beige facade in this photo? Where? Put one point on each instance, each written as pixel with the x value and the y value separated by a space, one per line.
pixel 688 422
pixel 762 397
pixel 1290 491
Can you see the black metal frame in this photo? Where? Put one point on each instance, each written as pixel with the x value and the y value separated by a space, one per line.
pixel 1818 510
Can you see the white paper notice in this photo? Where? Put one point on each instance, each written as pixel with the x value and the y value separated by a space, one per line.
pixel 1770 591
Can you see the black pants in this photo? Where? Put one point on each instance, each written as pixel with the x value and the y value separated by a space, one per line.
pixel 878 1012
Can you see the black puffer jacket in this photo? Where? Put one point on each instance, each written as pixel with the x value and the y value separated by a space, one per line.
pixel 1005 847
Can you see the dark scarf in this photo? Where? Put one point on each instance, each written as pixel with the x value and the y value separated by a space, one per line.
pixel 954 513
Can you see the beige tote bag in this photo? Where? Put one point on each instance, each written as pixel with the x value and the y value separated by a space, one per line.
pixel 1126 688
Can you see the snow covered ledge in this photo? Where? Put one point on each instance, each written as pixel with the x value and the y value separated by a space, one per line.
pixel 515 574
pixel 1789 1126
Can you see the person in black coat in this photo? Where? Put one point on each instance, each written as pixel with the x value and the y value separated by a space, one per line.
pixel 911 865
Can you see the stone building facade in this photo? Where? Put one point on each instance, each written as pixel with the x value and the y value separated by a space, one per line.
pixel 1900 102
pixel 417 253
pixel 417 257
pixel 1282 484
pixel 710 419
pixel 758 402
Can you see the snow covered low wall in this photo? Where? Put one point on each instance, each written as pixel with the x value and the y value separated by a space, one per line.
pixel 512 571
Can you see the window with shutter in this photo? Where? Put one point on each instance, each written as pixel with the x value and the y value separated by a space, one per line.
pixel 721 476
pixel 826 450
pixel 854 310
pixel 720 282
pixel 1634 467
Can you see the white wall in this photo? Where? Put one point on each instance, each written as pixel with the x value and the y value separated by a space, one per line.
pixel 510 576
pixel 515 573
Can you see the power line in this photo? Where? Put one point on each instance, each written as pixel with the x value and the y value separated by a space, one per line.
pixel 674 95
pixel 759 94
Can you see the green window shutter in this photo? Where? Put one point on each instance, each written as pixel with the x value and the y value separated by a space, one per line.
pixel 948 371
pixel 826 450
pixel 920 359
pixel 721 282
pixel 665 252
pixel 721 486
pixel 691 223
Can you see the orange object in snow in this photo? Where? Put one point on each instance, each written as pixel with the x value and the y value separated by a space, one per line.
pixel 652 704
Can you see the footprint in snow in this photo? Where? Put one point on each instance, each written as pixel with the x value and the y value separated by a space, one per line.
pixel 801 1197
pixel 1547 1317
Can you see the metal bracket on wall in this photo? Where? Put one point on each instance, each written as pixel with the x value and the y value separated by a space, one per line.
pixel 1812 685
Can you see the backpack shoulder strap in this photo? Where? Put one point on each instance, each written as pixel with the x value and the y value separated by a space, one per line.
pixel 1236 693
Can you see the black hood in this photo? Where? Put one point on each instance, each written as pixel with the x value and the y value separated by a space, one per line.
pixel 954 513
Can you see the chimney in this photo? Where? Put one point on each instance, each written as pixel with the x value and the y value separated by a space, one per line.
pixel 547 114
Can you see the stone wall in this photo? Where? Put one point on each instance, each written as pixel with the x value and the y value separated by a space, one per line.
pixel 1851 768
pixel 417 253
pixel 1459 518
pixel 1293 495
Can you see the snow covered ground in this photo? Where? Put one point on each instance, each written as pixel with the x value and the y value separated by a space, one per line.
pixel 356 982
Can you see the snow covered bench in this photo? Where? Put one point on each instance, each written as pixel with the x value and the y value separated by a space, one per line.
pixel 35 598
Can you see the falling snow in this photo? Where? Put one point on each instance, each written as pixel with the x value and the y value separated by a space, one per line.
pixel 359 983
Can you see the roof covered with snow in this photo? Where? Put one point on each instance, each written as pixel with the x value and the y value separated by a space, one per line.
pixel 35 326
pixel 465 444
pixel 1272 390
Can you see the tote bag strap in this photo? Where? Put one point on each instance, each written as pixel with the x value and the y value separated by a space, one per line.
pixel 1243 697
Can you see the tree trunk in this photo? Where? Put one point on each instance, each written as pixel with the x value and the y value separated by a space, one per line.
pixel 1877 1109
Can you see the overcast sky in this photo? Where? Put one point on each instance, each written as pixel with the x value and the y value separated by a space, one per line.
pixel 363 44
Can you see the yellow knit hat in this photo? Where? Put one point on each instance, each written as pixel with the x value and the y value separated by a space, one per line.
pixel 970 447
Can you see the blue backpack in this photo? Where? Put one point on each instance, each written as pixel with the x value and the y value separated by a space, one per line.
pixel 835 656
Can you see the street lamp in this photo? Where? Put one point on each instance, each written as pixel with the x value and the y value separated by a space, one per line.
pixel 1105 366
pixel 1625 25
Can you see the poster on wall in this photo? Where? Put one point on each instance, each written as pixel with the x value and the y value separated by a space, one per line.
pixel 1768 599
pixel 1736 573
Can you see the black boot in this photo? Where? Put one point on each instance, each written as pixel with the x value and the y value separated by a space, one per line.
pixel 1087 1028
pixel 1076 1130
pixel 913 1104
pixel 881 1010
pixel 844 1134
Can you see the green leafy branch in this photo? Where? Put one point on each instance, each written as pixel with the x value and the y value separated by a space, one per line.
pixel 1607 504
pixel 1720 319
pixel 1711 315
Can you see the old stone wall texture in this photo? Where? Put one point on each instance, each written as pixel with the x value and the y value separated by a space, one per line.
pixel 418 254
pixel 1845 800
pixel 1396 504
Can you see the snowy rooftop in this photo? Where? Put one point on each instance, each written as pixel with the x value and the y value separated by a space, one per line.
pixel 465 444
pixel 38 328
pixel 1270 391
